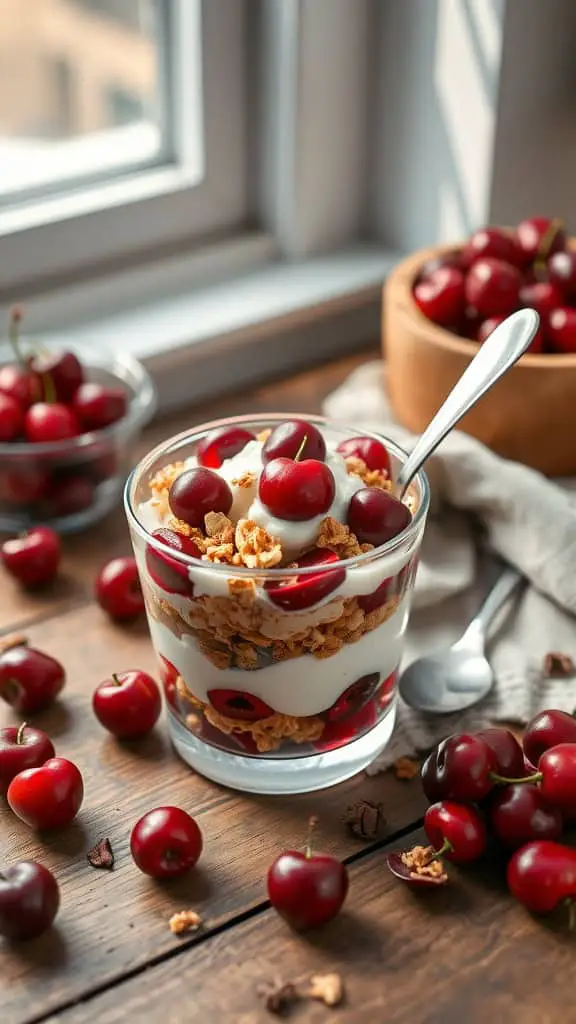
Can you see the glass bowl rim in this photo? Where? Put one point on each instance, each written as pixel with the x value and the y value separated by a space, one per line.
pixel 141 408
pixel 243 572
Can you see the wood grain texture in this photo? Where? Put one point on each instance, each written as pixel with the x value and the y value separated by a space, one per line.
pixel 463 954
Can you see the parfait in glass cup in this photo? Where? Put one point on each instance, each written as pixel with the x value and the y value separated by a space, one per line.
pixel 277 568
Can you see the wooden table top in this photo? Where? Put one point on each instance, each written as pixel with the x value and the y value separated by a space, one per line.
pixel 464 953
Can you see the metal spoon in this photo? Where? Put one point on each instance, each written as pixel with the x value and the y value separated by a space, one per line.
pixel 498 353
pixel 460 675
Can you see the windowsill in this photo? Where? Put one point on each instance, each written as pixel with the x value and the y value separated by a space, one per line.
pixel 271 320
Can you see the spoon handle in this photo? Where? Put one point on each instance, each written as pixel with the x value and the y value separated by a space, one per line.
pixel 502 589
pixel 498 353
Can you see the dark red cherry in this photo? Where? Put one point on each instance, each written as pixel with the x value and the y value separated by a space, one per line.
pixel 168 573
pixel 294 438
pixel 296 491
pixel 539 238
pixel 236 704
pixel 97 406
pixel 492 287
pixel 62 370
pixel 24 484
pixel 302 591
pixel 541 296
pixel 220 444
pixel 20 384
pixel 369 449
pixel 519 813
pixel 546 730
pixel 11 418
pixel 493 242
pixel 561 330
pixel 54 421
pixel 562 274
pixel 506 749
pixel 440 296
pixel 354 697
pixel 68 495
pixel 376 516
pixel 196 492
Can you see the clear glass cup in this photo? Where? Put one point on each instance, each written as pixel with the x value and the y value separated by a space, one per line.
pixel 276 680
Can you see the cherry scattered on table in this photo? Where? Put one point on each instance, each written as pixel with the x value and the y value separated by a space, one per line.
pixel 456 831
pixel 118 589
pixel 128 704
pixel 542 874
pixel 548 729
pixel 307 888
pixel 520 813
pixel 29 900
pixel 34 557
pixel 166 842
pixel 49 796
pixel 29 679
pixel 22 747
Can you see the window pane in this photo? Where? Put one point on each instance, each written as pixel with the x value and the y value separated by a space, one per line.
pixel 80 91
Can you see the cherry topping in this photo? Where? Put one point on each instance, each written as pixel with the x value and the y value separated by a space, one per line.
pixel 33 558
pixel 495 243
pixel 492 287
pixel 546 730
pixel 539 238
pixel 307 889
pixel 294 438
pixel 561 271
pixel 296 491
pixel 29 900
pixel 520 813
pixel 440 296
pixel 302 591
pixel 49 796
pixel 370 450
pixel 64 371
pixel 29 679
pixel 376 516
pixel 220 444
pixel 542 874
pixel 354 697
pixel 97 406
pixel 455 831
pixel 561 329
pixel 170 574
pixel 237 704
pixel 54 421
pixel 118 589
pixel 128 704
pixel 165 842
pixel 11 418
pixel 196 492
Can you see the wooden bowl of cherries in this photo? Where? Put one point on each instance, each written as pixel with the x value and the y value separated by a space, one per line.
pixel 441 303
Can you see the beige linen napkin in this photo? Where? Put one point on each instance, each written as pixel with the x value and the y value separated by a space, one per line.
pixel 481 501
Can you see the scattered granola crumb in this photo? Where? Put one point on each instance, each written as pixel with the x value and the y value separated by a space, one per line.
pixel 246 480
pixel 101 856
pixel 13 640
pixel 164 478
pixel 328 988
pixel 365 820
pixel 184 921
pixel 421 861
pixel 278 997
pixel 558 666
pixel 257 549
pixel 406 768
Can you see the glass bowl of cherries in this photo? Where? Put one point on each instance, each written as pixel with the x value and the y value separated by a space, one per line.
pixel 67 433
pixel 441 303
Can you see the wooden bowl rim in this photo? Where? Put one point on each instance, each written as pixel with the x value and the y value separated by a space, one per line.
pixel 402 280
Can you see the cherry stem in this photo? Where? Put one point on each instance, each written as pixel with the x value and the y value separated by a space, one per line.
pixel 115 680
pixel 546 241
pixel 569 903
pixel 14 334
pixel 308 845
pixel 49 390
pixel 445 848
pixel 20 733
pixel 537 777
pixel 298 455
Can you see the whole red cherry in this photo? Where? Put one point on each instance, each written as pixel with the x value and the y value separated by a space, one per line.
pixel 49 796
pixel 542 874
pixel 45 421
pixel 29 900
pixel 128 704
pixel 294 438
pixel 165 842
pixel 32 558
pixel 196 492
pixel 375 516
pixel 118 589
pixel 21 747
pixel 519 813
pixel 492 287
pixel 561 330
pixel 507 751
pixel 97 406
pixel 307 889
pixel 492 242
pixel 540 237
pixel 369 449
pixel 456 831
pixel 561 271
pixel 29 679
pixel 548 729
pixel 61 370
pixel 221 444
pixel 296 491
pixel 440 296
pixel 557 776
pixel 19 383
pixel 543 296
pixel 461 769
pixel 11 418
